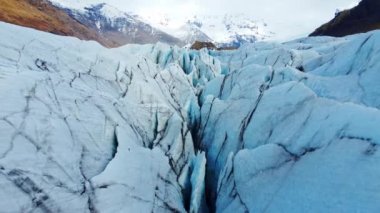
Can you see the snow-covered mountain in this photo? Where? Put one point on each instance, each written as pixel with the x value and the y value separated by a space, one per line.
pixel 127 27
pixel 115 25
pixel 269 127
pixel 224 30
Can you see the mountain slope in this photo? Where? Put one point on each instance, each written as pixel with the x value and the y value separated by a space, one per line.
pixel 153 128
pixel 189 34
pixel 363 18
pixel 118 26
pixel 89 23
pixel 112 28
pixel 42 15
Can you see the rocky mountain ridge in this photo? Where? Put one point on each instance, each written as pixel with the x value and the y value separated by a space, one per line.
pixel 113 28
pixel 119 26
pixel 360 19
pixel 89 23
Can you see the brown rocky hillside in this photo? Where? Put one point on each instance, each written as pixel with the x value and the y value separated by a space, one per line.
pixel 360 19
pixel 42 15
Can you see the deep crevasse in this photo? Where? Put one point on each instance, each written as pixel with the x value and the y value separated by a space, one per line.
pixel 89 129
pixel 281 126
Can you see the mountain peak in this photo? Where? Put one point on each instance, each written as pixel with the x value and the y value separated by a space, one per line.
pixel 114 24
pixel 223 30
pixel 106 10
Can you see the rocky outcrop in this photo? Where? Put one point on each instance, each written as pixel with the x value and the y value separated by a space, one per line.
pixel 360 19
pixel 198 45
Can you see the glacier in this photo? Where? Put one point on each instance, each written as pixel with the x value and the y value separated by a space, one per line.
pixel 270 127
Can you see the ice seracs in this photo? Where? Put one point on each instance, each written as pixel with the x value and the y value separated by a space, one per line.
pixel 88 129
pixel 289 122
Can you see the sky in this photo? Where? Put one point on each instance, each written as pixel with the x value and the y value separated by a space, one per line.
pixel 289 19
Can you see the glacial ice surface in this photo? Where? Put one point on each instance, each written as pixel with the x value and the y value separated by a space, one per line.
pixel 293 127
pixel 290 127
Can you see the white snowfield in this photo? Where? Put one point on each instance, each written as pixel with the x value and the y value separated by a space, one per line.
pixel 290 127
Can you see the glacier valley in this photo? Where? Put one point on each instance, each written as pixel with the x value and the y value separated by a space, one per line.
pixel 270 127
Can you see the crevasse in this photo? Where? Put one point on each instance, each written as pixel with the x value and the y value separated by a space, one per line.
pixel 152 128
